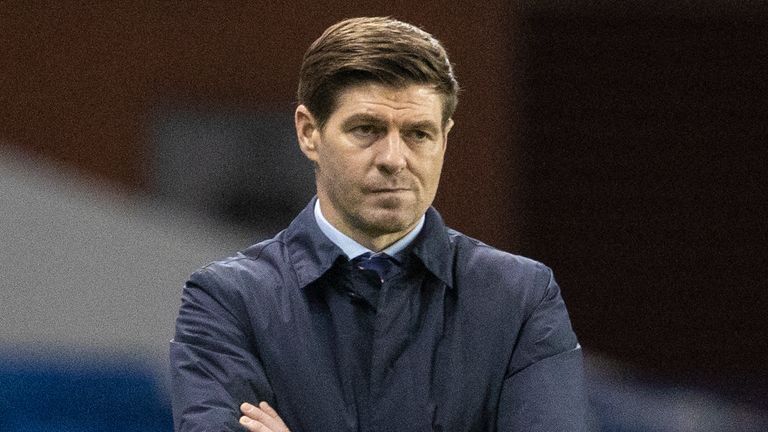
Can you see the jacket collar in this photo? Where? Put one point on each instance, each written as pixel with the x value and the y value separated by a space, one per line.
pixel 434 247
pixel 312 253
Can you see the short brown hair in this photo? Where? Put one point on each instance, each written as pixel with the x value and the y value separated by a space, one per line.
pixel 379 49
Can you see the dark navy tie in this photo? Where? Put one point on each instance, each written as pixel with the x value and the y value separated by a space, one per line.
pixel 379 263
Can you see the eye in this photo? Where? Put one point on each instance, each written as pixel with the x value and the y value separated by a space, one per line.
pixel 365 130
pixel 419 135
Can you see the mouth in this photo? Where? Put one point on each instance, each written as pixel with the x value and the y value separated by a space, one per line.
pixel 388 190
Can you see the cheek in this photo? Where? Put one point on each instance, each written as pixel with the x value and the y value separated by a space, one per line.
pixel 346 166
pixel 339 174
pixel 431 173
pixel 330 163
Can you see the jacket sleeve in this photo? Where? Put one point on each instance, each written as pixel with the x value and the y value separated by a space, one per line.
pixel 543 389
pixel 213 365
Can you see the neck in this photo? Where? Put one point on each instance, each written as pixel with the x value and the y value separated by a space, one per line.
pixel 378 244
pixel 375 243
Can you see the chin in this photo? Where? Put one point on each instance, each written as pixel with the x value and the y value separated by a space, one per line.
pixel 386 222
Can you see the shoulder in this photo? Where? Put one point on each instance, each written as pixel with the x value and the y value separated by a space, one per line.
pixel 473 255
pixel 486 273
pixel 246 286
pixel 263 264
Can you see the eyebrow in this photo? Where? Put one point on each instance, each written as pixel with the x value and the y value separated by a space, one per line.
pixel 368 118
pixel 425 125
pixel 363 118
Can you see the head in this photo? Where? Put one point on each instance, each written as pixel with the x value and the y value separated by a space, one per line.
pixel 376 97
pixel 378 49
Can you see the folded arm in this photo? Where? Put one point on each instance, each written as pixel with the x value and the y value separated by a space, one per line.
pixel 214 367
pixel 544 386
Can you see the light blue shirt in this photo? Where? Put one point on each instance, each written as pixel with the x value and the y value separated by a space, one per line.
pixel 353 249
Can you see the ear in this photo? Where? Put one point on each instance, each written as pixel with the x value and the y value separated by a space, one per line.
pixel 446 129
pixel 307 132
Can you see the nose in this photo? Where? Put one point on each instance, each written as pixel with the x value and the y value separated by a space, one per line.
pixel 391 156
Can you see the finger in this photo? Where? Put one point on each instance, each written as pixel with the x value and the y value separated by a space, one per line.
pixel 253 425
pixel 274 424
pixel 264 406
pixel 269 410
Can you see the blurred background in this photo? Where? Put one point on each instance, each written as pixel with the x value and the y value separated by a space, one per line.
pixel 621 143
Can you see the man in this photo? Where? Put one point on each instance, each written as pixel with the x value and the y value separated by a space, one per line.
pixel 367 313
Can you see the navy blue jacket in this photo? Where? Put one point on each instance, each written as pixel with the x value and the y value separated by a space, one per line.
pixel 464 338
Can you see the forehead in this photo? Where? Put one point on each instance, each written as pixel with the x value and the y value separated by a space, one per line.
pixel 415 102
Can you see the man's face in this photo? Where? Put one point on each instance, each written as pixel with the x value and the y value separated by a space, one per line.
pixel 378 159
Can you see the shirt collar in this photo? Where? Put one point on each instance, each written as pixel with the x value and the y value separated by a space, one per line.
pixel 353 249
pixel 312 252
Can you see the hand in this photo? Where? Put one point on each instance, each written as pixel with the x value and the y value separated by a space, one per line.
pixel 262 418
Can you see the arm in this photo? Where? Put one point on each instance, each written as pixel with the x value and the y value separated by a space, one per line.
pixel 544 386
pixel 213 365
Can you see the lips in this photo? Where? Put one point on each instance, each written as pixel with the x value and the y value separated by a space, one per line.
pixel 388 190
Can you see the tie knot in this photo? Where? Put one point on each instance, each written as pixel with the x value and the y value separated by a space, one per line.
pixel 379 263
